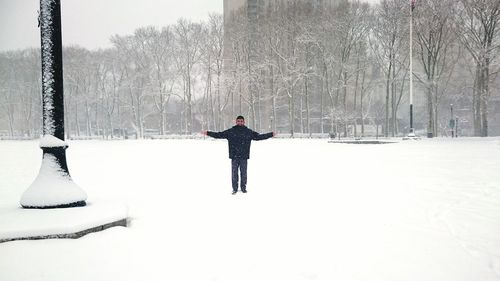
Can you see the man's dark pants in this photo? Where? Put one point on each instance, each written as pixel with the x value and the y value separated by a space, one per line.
pixel 240 164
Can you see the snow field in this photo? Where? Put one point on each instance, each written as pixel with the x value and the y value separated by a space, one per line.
pixel 426 210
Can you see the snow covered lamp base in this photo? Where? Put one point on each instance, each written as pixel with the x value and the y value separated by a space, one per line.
pixel 53 187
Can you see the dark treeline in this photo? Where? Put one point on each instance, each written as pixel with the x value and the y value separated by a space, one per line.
pixel 291 68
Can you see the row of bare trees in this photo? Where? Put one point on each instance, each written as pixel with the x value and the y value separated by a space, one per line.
pixel 148 81
pixel 452 35
pixel 334 68
pixel 288 66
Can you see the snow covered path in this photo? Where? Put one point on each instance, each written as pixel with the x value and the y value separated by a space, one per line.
pixel 413 211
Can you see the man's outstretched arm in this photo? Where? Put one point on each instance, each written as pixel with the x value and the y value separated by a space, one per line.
pixel 217 135
pixel 256 136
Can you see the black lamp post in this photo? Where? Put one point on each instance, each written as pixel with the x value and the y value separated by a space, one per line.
pixel 53 187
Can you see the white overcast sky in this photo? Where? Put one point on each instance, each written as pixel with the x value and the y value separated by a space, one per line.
pixel 90 23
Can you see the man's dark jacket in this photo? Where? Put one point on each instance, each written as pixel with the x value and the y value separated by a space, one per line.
pixel 239 139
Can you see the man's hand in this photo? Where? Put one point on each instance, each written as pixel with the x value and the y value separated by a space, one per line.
pixel 204 133
pixel 274 134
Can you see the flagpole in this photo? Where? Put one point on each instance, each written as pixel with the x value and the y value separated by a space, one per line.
pixel 411 134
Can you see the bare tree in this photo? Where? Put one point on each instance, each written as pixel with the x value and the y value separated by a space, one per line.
pixel 8 89
pixel 188 55
pixel 435 39
pixel 213 61
pixel 29 73
pixel 158 46
pixel 477 26
pixel 133 53
pixel 390 44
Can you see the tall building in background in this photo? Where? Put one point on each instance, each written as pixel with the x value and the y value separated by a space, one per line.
pixel 254 8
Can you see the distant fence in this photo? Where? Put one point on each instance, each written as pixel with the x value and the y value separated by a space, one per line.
pixel 188 136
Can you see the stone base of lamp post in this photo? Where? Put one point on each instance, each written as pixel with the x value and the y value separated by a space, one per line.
pixel 56 223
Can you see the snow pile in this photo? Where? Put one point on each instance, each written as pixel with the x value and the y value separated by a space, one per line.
pixel 52 186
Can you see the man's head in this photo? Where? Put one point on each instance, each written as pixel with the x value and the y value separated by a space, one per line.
pixel 240 121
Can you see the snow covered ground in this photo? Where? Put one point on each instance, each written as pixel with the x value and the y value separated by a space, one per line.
pixel 424 210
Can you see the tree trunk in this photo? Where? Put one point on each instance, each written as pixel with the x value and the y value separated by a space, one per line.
pixel 484 100
pixel 10 114
pixel 430 111
pixel 301 115
pixel 387 99
pixel 291 111
pixel 308 110
pixel 88 121
pixel 77 121
pixel 476 108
